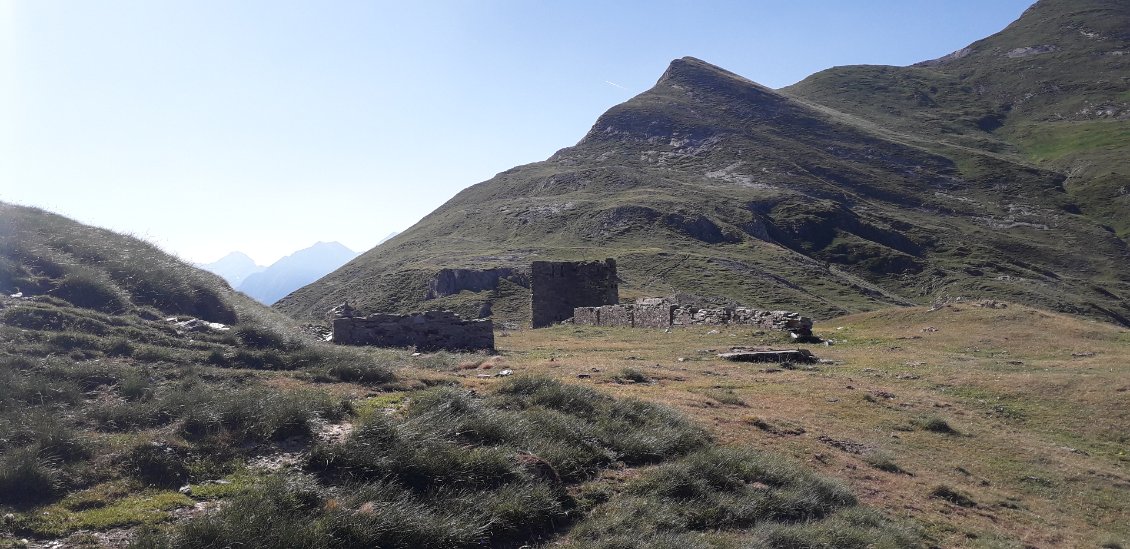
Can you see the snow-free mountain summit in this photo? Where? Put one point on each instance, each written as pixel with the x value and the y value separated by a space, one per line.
pixel 806 198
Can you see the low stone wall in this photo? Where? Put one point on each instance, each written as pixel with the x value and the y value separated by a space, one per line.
pixel 430 331
pixel 589 316
pixel 653 316
pixel 774 320
pixel 664 315
pixel 616 315
pixel 686 316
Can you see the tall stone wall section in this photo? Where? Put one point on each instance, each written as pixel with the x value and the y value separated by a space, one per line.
pixel 430 331
pixel 559 287
pixel 665 315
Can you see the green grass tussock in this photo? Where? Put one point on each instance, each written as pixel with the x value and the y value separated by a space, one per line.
pixel 952 495
pixel 298 512
pixel 157 464
pixel 27 476
pixel 459 469
pixel 854 528
pixel 531 426
pixel 934 424
pixel 727 489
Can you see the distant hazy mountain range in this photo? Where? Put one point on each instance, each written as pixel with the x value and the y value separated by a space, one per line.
pixel 269 284
pixel 234 267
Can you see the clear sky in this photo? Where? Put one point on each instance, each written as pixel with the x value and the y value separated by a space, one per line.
pixel 208 126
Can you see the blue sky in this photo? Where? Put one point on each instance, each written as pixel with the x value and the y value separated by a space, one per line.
pixel 208 126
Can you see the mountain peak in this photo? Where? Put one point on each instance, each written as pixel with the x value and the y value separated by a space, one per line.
pixel 693 99
pixel 329 246
pixel 687 65
pixel 698 73
pixel 233 267
pixel 233 257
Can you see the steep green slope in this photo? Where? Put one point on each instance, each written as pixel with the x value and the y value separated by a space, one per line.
pixel 88 294
pixel 1052 88
pixel 712 185
pixel 46 254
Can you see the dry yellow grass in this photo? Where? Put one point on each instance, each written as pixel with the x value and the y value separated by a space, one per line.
pixel 1040 403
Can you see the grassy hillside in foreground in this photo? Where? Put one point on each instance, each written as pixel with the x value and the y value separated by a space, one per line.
pixel 126 422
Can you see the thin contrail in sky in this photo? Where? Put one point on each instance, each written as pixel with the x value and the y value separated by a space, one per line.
pixel 611 83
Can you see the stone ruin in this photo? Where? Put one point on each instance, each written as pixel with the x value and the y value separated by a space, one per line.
pixel 430 331
pixel 662 313
pixel 557 288
pixel 588 292
pixel 585 291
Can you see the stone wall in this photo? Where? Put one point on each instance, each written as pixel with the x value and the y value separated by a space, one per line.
pixel 774 320
pixel 617 315
pixel 559 287
pixel 589 316
pixel 656 315
pixel 430 331
pixel 660 314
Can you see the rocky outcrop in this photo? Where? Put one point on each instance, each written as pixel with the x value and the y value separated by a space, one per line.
pixel 452 281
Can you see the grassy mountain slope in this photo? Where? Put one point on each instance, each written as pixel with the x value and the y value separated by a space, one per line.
pixel 1052 88
pixel 46 254
pixel 712 185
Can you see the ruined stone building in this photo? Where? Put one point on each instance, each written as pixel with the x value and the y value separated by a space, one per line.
pixel 559 287
pixel 585 291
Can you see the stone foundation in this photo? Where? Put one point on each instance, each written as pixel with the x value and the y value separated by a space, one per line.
pixel 430 331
